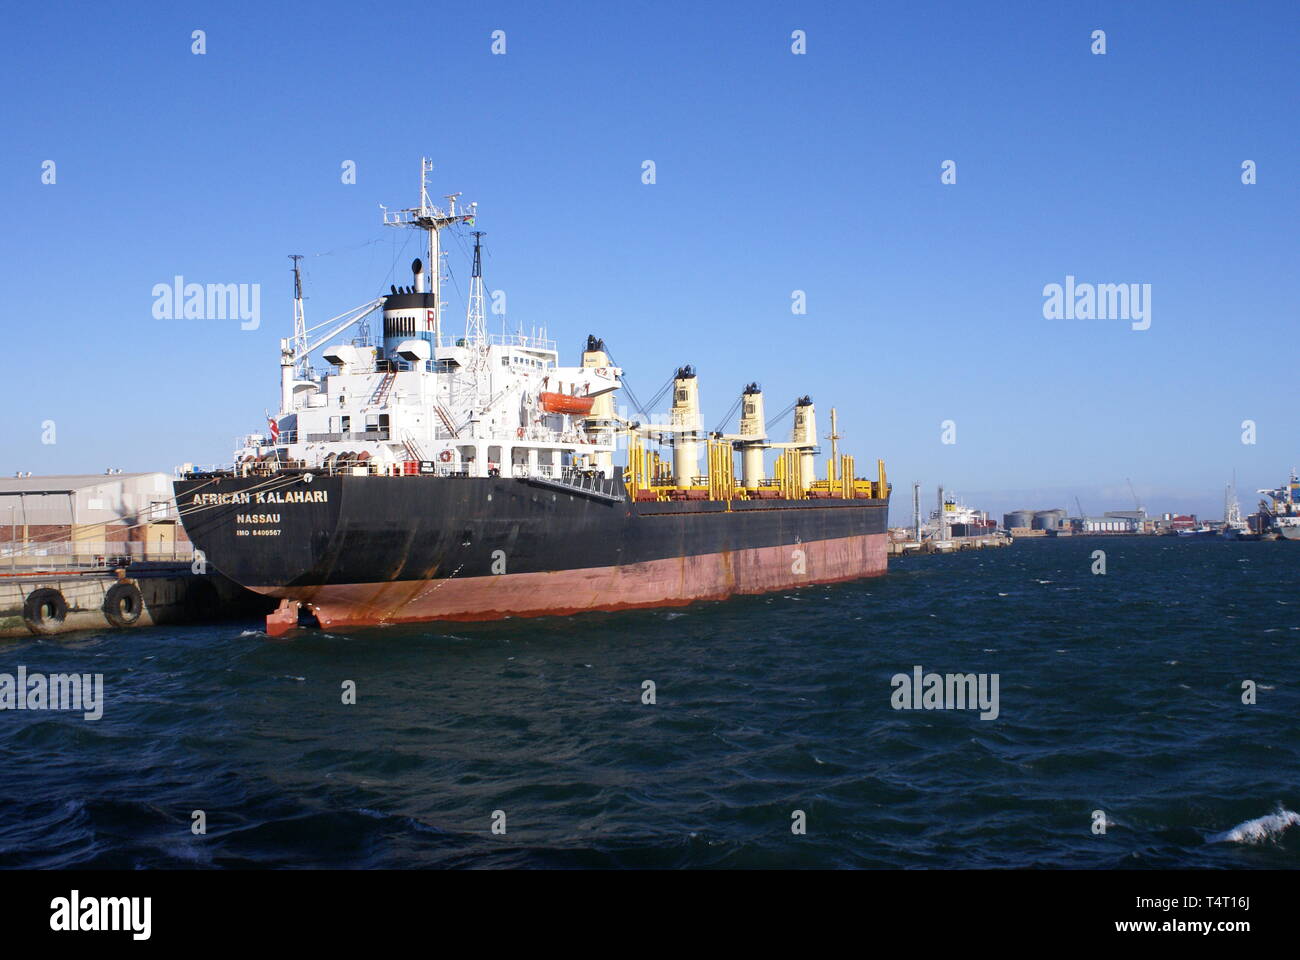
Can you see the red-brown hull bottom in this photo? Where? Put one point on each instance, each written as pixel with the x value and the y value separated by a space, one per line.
pixel 655 583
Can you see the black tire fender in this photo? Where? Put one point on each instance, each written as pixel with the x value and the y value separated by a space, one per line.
pixel 44 610
pixel 123 604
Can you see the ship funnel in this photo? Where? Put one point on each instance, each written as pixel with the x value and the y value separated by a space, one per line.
pixel 753 424
pixel 410 313
pixel 686 424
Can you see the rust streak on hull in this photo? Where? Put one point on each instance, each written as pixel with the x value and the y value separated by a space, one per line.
pixel 675 581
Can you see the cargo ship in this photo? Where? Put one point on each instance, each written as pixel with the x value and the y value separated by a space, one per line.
pixel 955 519
pixel 1284 513
pixel 427 476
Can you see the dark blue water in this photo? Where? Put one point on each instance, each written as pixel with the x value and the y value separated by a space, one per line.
pixel 1119 693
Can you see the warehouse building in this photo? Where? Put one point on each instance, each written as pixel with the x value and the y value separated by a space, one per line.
pixel 89 518
pixel 1109 524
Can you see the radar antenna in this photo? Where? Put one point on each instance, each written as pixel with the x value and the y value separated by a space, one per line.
pixel 433 220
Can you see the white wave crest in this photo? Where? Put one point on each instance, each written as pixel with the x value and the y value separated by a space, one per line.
pixel 1260 829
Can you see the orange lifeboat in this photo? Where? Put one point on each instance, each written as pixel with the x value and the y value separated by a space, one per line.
pixel 563 403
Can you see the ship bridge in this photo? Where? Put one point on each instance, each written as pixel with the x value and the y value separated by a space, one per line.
pixel 422 400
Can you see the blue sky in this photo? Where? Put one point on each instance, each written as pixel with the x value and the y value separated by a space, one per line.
pixel 775 173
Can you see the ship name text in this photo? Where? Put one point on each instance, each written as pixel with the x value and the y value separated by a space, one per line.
pixel 274 496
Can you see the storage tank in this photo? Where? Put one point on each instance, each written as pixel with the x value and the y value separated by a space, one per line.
pixel 1047 520
pixel 1017 518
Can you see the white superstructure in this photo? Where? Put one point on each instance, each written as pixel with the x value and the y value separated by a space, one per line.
pixel 417 400
pixel 954 513
pixel 1285 512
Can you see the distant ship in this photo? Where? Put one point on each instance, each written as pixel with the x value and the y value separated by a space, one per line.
pixel 428 476
pixel 1284 513
pixel 1235 526
pixel 959 520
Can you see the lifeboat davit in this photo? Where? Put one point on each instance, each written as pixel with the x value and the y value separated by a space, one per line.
pixel 563 403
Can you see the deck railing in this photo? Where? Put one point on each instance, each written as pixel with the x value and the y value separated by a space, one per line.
pixel 428 468
pixel 19 556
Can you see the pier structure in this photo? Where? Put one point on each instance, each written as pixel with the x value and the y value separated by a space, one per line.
pixel 141 594
pixel 90 551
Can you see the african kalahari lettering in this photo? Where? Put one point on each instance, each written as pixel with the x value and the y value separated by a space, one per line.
pixel 292 496
pixel 275 496
pixel 952 691
pixel 219 499
pixel 1101 301
pixel 58 691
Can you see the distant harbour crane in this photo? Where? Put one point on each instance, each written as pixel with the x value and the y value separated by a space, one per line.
pixel 1136 502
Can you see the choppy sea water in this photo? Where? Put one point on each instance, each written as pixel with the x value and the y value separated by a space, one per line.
pixel 1120 693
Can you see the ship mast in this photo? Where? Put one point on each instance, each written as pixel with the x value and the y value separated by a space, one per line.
pixel 834 438
pixel 299 321
pixel 433 220
pixel 475 328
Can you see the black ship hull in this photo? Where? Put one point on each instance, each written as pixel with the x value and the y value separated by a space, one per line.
pixel 364 550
